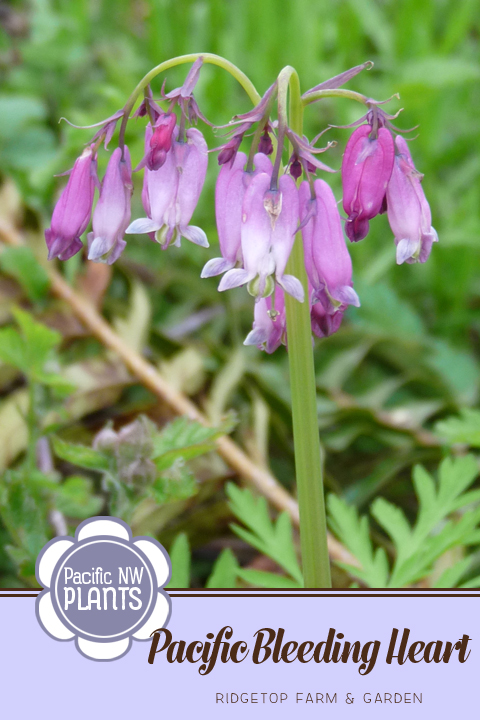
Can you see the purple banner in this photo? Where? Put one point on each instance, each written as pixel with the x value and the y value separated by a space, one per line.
pixel 270 653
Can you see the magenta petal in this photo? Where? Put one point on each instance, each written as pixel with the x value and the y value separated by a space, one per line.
pixel 283 234
pixel 229 194
pixel 262 163
pixel 75 246
pixel 366 169
pixel 162 190
pixel 408 210
pixel 330 253
pixel 73 209
pixel 308 211
pixel 356 228
pixel 327 259
pixel 191 161
pixel 268 333
pixel 112 212
pixel 256 228
pixel 325 324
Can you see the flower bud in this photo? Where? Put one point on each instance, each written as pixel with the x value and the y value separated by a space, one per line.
pixel 366 169
pixel 265 145
pixel 408 210
pixel 161 141
pixel 228 152
pixel 72 212
pixel 112 212
pixel 327 260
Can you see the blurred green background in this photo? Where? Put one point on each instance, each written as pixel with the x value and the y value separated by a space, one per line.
pixel 404 360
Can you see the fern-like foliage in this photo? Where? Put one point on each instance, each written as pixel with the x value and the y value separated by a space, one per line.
pixel 448 518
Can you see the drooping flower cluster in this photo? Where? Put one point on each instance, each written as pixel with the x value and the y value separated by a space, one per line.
pixel 175 165
pixel 378 175
pixel 259 208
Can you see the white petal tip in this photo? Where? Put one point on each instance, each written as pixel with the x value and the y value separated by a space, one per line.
pixel 216 266
pixel 233 279
pixel 406 249
pixel 256 337
pixel 292 286
pixel 141 226
pixel 196 235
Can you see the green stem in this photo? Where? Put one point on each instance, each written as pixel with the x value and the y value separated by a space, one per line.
pixel 210 58
pixel 32 424
pixel 334 92
pixel 308 463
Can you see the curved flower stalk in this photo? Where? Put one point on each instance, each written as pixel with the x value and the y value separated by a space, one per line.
pixel 112 212
pixel 171 193
pixel 233 181
pixel 73 210
pixel 408 210
pixel 269 223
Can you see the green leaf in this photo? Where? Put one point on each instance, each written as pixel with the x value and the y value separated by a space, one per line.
pixel 184 434
pixel 75 499
pixel 21 263
pixel 451 577
pixel 354 532
pixel 24 513
pixel 177 483
pixel 267 580
pixel 464 429
pixel 80 455
pixel 394 522
pixel 386 314
pixel 13 350
pixel 30 349
pixel 17 111
pixel 224 573
pixel 40 339
pixel 180 558
pixel 457 368
pixel 473 583
pixel 272 539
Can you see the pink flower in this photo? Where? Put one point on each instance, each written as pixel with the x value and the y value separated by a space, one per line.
pixel 269 223
pixel 112 212
pixel 230 190
pixel 171 193
pixel 270 323
pixel 73 209
pixel 324 324
pixel 366 169
pixel 327 260
pixel 408 210
pixel 160 141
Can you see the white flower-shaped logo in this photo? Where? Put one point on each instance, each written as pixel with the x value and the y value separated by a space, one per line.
pixel 103 588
